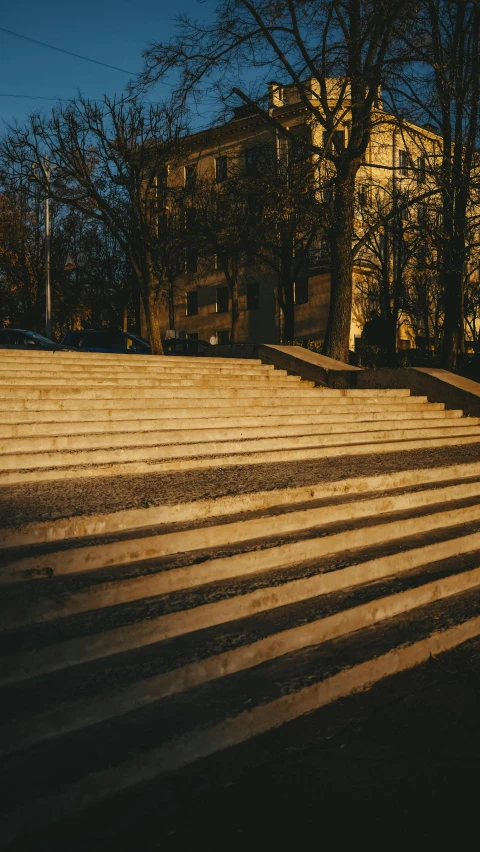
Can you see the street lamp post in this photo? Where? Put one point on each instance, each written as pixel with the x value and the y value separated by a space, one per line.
pixel 46 173
pixel 48 291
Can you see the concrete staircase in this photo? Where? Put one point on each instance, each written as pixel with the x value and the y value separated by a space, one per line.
pixel 66 416
pixel 136 641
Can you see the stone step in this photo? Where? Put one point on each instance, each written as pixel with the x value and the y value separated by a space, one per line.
pixel 138 449
pixel 128 367
pixel 70 697
pixel 331 433
pixel 275 500
pixel 77 555
pixel 65 598
pixel 107 383
pixel 324 649
pixel 120 468
pixel 120 420
pixel 211 402
pixel 43 357
pixel 303 390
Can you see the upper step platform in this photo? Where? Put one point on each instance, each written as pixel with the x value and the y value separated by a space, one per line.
pixel 101 357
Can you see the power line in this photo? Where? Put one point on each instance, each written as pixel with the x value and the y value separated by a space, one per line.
pixel 30 97
pixel 68 52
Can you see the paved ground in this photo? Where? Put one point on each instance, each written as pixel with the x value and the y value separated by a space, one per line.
pixel 396 765
pixel 20 504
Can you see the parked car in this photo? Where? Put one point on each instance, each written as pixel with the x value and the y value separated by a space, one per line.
pixel 20 338
pixel 185 346
pixel 91 340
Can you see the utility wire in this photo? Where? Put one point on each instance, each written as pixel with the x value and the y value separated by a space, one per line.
pixel 68 52
pixel 30 97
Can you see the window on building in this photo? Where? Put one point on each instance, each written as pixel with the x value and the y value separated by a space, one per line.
pixel 421 213
pixel 253 296
pixel 191 261
pixel 363 195
pixel 339 140
pixel 223 337
pixel 220 169
pixel 190 218
pixel 190 177
pixel 251 161
pixel 421 170
pixel 192 303
pixel 162 177
pixel 193 336
pixel 403 162
pixel 222 300
pixel 300 290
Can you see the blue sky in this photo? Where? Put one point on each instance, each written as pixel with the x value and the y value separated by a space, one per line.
pixel 112 31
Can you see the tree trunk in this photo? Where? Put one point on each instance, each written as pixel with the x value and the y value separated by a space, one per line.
pixel 171 306
pixel 337 338
pixel 453 303
pixel 289 308
pixel 233 282
pixel 151 316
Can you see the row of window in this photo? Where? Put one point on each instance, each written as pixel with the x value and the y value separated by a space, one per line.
pixel 300 297
pixel 335 142
pixel 404 166
pixel 221 168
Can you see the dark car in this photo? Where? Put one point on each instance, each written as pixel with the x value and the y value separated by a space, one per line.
pixel 185 346
pixel 19 338
pixel 121 342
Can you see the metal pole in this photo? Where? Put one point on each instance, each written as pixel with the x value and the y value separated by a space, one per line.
pixel 48 294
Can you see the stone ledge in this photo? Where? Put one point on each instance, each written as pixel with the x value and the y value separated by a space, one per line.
pixel 438 385
pixel 310 366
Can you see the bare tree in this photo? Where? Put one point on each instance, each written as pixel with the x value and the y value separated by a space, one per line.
pixel 111 158
pixel 289 217
pixel 307 45
pixel 220 226
pixel 442 87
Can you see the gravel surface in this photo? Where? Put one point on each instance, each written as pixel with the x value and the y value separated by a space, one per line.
pixel 20 504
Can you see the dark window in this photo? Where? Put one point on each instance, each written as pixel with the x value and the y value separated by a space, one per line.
pixel 192 303
pixel 134 345
pixel 300 290
pixel 191 261
pixel 117 341
pixel 193 336
pixel 11 338
pixel 190 218
pixel 421 214
pixel 251 161
pixel 421 170
pixel 190 177
pixel 253 296
pixel 403 162
pixel 337 140
pixel 223 337
pixel 222 300
pixel 299 147
pixel 162 177
pixel 220 169
pixel 362 195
